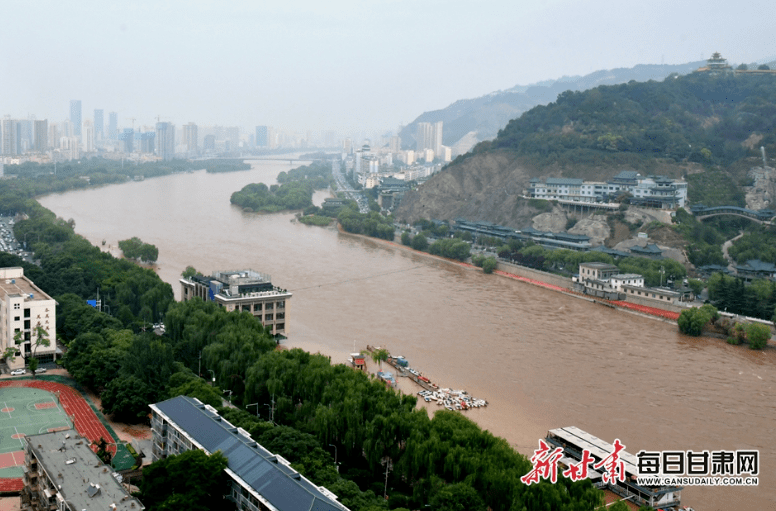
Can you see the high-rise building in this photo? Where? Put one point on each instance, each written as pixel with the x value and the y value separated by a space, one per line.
pixel 75 116
pixel 113 126
pixel 8 127
pixel 190 138
pixel 437 138
pixel 262 136
pixel 88 136
pixel 53 135
pixel 40 135
pixel 423 136
pixel 165 140
pixel 128 138
pixel 209 144
pixel 99 119
pixel 233 138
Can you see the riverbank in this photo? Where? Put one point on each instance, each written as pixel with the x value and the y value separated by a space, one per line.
pixel 646 311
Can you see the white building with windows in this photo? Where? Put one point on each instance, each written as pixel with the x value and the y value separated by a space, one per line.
pixel 23 308
pixel 653 191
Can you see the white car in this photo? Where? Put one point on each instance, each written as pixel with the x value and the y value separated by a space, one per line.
pixel 17 372
pixel 40 370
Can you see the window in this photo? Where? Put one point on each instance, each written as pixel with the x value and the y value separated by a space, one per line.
pixel 26 313
pixel 26 324
pixel 16 306
pixel 281 305
pixel 256 307
pixel 280 326
pixel 17 318
pixel 270 306
pixel 268 317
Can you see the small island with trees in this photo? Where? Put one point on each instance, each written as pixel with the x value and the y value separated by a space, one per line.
pixel 294 190
pixel 134 248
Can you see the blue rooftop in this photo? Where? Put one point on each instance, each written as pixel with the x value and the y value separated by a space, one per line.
pixel 279 484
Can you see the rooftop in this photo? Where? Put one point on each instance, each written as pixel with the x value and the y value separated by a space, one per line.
pixel 12 285
pixel 83 480
pixel 268 475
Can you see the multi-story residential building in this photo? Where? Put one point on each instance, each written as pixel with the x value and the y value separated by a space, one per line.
pixel 653 191
pixel 40 135
pixel 165 140
pixel 262 136
pixel 99 126
pixel 190 138
pixel 23 308
pixel 88 136
pixel 113 126
pixel 75 116
pixel 243 290
pixel 62 473
pixel 259 479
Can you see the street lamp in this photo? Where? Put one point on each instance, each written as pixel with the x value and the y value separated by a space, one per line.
pixel 257 407
pixel 336 465
pixel 214 377
pixel 230 395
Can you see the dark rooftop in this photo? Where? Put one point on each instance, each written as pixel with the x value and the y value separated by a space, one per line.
pixel 264 472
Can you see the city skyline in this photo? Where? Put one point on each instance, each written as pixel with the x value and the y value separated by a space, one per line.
pixel 340 66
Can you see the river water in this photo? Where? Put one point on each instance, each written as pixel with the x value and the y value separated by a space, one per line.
pixel 541 359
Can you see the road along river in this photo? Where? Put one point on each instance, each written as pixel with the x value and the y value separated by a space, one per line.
pixel 541 359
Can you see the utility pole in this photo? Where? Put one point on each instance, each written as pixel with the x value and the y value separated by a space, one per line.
pixel 388 466
pixel 271 409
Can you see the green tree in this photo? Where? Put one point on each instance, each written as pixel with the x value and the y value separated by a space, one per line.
pixel 757 335
pixel 489 264
pixel 419 242
pixel 457 497
pixel 406 239
pixel 379 355
pixel 692 321
pixel 192 478
pixel 189 272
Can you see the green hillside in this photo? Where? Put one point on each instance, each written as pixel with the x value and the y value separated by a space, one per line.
pixel 712 120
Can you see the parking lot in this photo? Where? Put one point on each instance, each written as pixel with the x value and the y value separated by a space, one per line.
pixel 8 241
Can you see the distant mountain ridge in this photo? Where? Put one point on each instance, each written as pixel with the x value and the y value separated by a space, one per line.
pixel 487 114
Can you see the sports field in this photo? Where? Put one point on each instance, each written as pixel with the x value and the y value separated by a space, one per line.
pixel 32 406
pixel 25 411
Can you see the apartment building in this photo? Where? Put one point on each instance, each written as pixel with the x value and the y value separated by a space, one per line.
pixel 259 479
pixel 23 308
pixel 62 473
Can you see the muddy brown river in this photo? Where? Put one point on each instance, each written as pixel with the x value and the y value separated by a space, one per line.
pixel 541 359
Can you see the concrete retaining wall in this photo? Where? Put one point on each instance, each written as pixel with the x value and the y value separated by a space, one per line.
pixel 530 273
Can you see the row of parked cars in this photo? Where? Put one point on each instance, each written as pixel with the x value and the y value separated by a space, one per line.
pixel 19 372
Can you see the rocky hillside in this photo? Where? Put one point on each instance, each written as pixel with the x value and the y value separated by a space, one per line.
pixel 706 128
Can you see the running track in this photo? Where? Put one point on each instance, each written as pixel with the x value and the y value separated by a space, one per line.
pixel 86 422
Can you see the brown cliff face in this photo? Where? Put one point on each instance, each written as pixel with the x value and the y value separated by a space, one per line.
pixel 483 187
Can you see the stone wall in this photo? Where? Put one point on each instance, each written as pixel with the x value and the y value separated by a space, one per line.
pixel 530 273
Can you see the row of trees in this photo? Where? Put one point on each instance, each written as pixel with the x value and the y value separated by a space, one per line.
pixel 757 300
pixel 452 248
pixel 697 320
pixel 371 224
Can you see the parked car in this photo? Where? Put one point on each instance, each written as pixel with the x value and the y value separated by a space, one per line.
pixel 17 372
pixel 40 370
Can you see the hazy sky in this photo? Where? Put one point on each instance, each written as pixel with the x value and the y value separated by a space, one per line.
pixel 338 64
